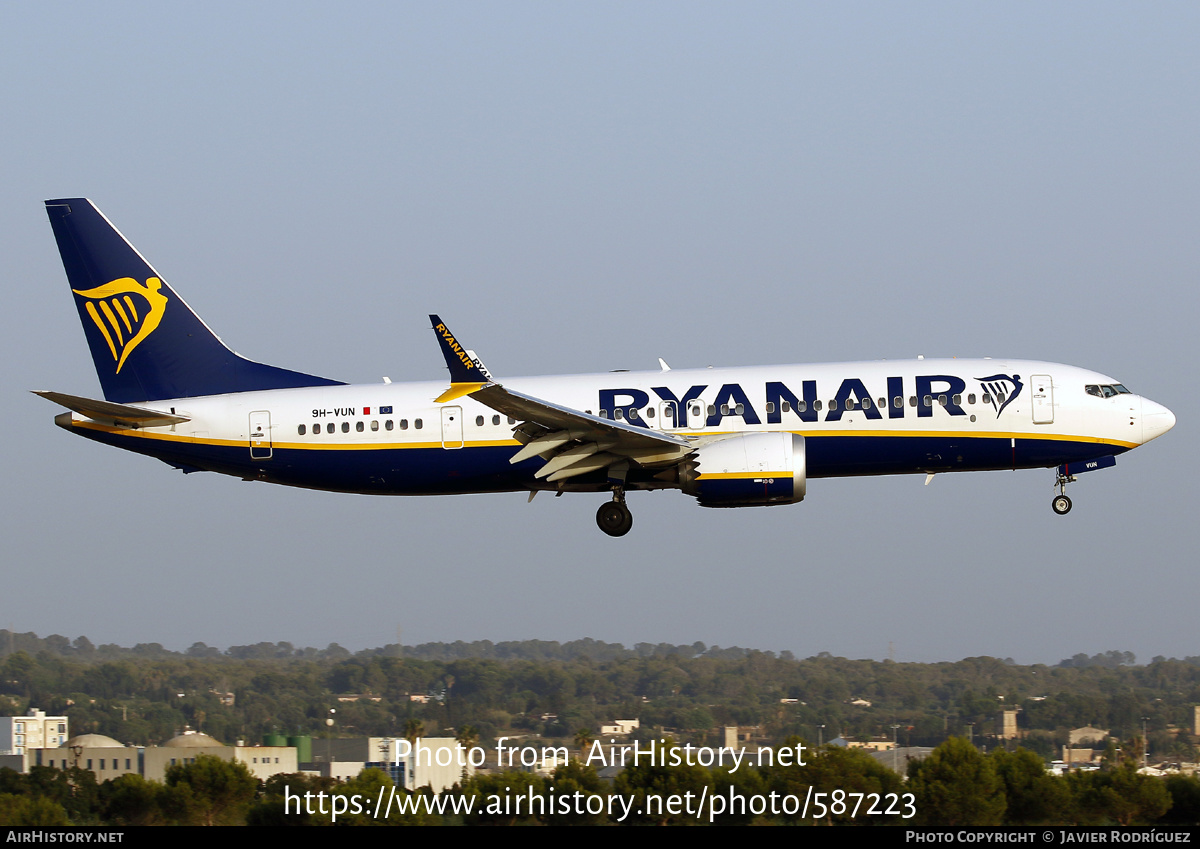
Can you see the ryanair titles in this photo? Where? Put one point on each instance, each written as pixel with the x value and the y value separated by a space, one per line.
pixel 928 391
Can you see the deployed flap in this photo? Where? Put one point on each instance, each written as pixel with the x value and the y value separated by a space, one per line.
pixel 572 428
pixel 106 412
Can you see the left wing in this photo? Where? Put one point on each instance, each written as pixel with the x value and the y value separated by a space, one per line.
pixel 571 441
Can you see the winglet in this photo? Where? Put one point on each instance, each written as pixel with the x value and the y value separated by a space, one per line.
pixel 467 373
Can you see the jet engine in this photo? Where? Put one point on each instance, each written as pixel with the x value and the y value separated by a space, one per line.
pixel 753 469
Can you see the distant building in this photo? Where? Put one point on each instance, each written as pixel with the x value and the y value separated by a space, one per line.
pixel 897 759
pixel 262 761
pixel 439 762
pixel 1007 726
pixel 619 727
pixel 1083 736
pixel 879 745
pixel 102 756
pixel 35 730
pixel 1076 756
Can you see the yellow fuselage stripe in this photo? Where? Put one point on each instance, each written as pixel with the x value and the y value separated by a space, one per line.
pixel 490 443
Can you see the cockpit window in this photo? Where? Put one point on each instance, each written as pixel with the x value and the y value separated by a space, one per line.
pixel 1104 390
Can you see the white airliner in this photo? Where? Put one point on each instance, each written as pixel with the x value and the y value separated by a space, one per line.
pixel 730 437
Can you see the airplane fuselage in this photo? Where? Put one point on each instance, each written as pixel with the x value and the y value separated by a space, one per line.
pixel 863 418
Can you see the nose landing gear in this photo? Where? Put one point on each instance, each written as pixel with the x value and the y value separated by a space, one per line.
pixel 614 517
pixel 1061 503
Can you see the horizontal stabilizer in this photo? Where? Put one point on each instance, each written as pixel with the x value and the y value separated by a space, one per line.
pixel 106 412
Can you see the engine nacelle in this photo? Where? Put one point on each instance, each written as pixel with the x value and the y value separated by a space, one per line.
pixel 754 469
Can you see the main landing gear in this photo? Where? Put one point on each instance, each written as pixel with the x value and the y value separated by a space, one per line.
pixel 614 517
pixel 1061 504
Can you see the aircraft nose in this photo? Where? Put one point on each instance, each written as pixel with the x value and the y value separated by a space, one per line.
pixel 1156 420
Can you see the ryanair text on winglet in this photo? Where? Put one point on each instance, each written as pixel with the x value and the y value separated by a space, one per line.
pixel 454 346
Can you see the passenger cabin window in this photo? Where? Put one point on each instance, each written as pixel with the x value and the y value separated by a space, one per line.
pixel 418 424
pixel 301 430
pixel 971 398
pixel 404 424
pixel 387 425
pixel 360 427
pixel 898 402
pixel 495 420
pixel 345 427
pixel 374 424
pixel 771 406
pixel 479 421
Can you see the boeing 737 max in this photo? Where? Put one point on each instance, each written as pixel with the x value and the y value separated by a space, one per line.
pixel 730 437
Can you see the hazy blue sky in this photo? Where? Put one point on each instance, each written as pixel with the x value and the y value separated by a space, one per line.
pixel 582 188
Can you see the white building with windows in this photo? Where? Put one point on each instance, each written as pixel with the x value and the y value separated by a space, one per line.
pixel 101 755
pixel 262 761
pixel 35 730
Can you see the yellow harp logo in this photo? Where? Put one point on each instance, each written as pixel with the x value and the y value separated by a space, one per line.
pixel 125 312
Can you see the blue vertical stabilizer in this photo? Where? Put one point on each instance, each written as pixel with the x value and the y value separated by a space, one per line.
pixel 147 343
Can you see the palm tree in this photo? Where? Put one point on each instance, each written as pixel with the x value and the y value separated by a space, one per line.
pixel 583 739
pixel 467 737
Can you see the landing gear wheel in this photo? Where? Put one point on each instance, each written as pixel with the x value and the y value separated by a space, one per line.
pixel 1061 505
pixel 614 518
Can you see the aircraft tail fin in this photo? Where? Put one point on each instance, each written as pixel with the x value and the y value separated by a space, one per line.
pixel 146 342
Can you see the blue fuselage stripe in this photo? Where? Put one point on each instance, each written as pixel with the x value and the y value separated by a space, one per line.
pixel 438 471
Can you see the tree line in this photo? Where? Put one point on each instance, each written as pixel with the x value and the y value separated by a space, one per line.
pixel 146 694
